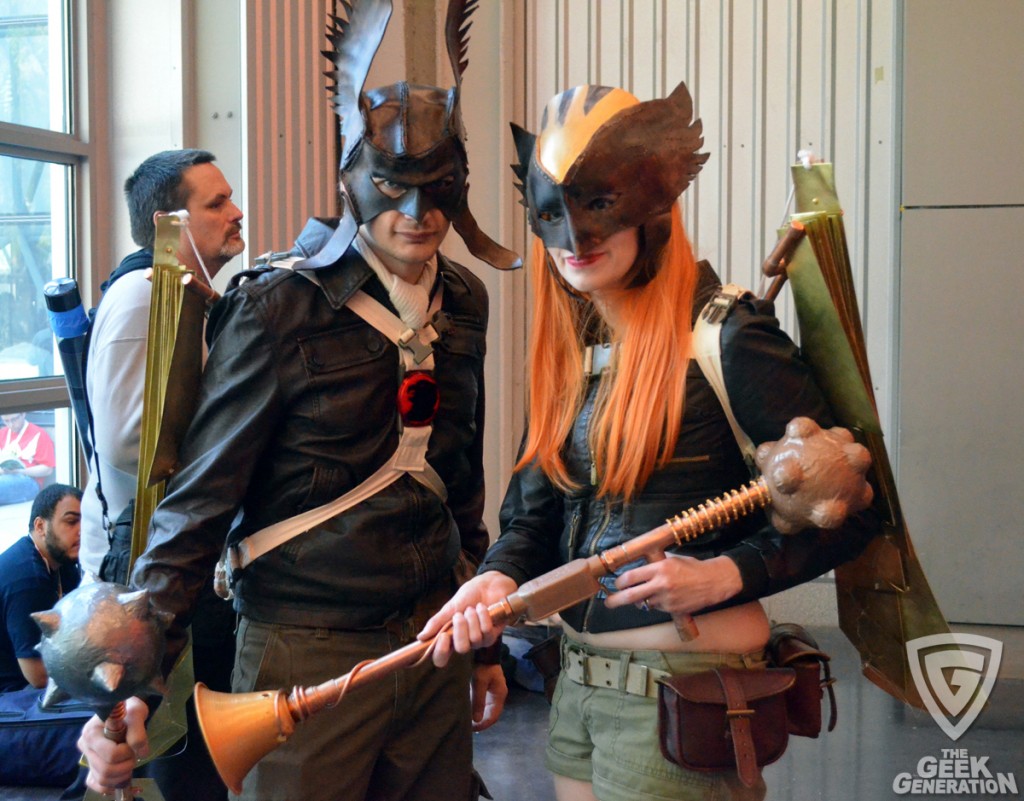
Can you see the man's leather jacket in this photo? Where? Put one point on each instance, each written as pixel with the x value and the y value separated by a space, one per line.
pixel 297 407
pixel 768 385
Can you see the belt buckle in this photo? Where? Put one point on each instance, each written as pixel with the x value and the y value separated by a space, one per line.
pixel 412 343
pixel 575 665
pixel 637 678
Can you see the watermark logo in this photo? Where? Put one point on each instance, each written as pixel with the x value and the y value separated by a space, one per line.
pixel 954 772
pixel 954 674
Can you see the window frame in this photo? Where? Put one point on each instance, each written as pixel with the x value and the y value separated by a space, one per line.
pixel 86 45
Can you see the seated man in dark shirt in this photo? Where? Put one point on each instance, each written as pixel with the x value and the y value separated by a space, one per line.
pixel 34 573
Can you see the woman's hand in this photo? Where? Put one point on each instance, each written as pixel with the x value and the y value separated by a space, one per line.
pixel 679 585
pixel 471 625
pixel 111 764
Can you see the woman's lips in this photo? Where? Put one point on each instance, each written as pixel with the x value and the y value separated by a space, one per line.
pixel 582 261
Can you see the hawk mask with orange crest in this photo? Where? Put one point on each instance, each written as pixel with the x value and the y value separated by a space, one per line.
pixel 603 162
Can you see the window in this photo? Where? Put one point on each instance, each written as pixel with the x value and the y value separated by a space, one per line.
pixel 40 160
pixel 33 64
pixel 34 249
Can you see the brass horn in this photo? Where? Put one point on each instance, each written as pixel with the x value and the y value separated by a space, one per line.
pixel 241 729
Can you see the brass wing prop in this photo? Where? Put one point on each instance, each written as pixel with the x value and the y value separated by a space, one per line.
pixel 174 365
pixel 883 596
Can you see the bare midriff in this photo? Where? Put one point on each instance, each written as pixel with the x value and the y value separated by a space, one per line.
pixel 736 630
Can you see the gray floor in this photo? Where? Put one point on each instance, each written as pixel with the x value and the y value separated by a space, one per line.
pixel 876 739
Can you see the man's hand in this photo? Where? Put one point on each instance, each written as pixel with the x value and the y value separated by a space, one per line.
pixel 467 610
pixel 111 764
pixel 488 692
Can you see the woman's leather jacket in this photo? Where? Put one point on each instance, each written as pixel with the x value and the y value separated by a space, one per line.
pixel 768 385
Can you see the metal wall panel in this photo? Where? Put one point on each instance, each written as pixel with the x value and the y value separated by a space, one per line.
pixel 963 115
pixel 962 338
pixel 960 407
pixel 769 78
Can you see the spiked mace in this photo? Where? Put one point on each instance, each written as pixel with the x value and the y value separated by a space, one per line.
pixel 103 644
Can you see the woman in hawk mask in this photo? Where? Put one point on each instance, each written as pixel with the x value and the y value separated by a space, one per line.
pixel 625 431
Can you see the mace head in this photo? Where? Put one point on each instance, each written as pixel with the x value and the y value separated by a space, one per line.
pixel 816 476
pixel 101 644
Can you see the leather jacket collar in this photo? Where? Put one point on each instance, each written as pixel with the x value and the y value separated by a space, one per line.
pixel 339 285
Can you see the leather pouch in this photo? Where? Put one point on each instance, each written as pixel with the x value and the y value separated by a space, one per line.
pixel 725 719
pixel 546 656
pixel 791 646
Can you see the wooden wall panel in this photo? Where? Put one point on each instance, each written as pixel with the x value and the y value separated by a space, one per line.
pixel 292 128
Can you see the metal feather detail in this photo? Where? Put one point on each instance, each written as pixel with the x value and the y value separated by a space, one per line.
pixel 526 144
pixel 662 131
pixel 456 34
pixel 354 40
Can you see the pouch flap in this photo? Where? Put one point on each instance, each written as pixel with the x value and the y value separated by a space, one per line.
pixel 790 642
pixel 705 687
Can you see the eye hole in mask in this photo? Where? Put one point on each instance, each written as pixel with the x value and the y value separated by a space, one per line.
pixel 550 215
pixel 602 202
pixel 394 189
pixel 441 184
pixel 389 188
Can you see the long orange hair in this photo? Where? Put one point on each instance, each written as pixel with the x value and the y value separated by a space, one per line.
pixel 640 403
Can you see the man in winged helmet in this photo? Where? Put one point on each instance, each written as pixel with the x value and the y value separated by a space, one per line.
pixel 345 384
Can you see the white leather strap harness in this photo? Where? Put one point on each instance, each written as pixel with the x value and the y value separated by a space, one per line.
pixel 707 350
pixel 415 349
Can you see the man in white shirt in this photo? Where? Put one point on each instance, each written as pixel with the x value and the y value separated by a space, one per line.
pixel 115 380
pixel 115 377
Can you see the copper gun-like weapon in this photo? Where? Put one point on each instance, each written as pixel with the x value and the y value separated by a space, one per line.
pixel 812 477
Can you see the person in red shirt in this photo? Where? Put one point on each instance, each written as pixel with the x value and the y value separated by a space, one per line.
pixel 26 458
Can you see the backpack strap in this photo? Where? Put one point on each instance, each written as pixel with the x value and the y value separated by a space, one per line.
pixel 413 346
pixel 707 350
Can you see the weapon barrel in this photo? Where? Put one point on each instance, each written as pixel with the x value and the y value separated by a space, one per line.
pixel 208 294
pixel 692 523
pixel 775 265
pixel 550 593
pixel 69 323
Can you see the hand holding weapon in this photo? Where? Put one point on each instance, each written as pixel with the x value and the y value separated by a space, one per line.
pixel 102 644
pixel 812 477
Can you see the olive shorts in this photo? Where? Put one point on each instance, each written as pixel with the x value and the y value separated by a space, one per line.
pixel 609 737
